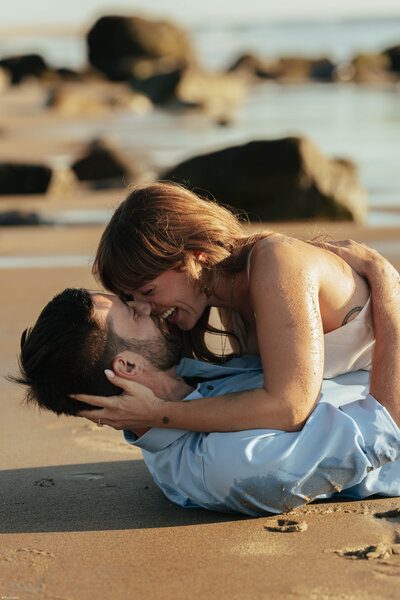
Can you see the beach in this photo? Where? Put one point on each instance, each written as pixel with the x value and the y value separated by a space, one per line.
pixel 80 516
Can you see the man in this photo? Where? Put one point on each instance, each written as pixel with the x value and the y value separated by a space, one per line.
pixel 350 444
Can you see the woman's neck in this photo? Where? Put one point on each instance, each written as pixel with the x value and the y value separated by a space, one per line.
pixel 232 291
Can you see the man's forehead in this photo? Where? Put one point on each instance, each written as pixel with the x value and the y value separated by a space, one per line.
pixel 103 305
pixel 103 301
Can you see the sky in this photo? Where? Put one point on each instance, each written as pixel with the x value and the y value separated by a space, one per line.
pixel 22 13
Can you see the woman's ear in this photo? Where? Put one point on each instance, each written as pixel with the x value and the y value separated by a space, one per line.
pixel 127 366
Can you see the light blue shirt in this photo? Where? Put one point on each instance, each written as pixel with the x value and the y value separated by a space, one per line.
pixel 349 445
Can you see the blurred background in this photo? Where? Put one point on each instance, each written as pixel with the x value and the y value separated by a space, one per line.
pixel 99 103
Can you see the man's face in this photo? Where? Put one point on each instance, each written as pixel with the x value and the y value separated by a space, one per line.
pixel 129 320
pixel 132 321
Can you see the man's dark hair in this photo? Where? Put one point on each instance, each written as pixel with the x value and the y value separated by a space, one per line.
pixel 66 352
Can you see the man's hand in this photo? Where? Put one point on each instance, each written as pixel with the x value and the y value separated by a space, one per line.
pixel 136 408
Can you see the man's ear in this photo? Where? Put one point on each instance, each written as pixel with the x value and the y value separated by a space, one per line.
pixel 127 365
pixel 200 256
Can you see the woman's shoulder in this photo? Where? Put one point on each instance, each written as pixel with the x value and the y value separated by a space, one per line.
pixel 277 249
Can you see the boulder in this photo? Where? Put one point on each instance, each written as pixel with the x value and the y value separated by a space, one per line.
pixel 297 68
pixel 18 178
pixel 393 54
pixel 276 180
pixel 75 98
pixel 13 218
pixel 372 68
pixel 254 66
pixel 160 88
pixel 116 44
pixel 217 94
pixel 102 165
pixel 22 66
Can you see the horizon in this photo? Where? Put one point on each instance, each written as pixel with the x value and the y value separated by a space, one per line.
pixel 22 14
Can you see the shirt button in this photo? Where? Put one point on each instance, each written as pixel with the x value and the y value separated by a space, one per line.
pixel 210 387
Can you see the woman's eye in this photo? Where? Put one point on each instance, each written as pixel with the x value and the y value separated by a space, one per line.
pixel 147 292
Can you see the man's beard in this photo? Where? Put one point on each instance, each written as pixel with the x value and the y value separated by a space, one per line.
pixel 162 353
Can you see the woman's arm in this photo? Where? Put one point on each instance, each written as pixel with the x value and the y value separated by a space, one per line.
pixel 283 294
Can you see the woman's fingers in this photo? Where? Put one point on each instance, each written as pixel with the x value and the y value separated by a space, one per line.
pixel 92 415
pixel 99 401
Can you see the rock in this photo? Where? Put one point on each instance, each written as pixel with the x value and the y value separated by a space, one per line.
pixel 5 79
pixel 217 94
pixel 393 54
pixel 24 179
pixel 294 68
pixel 116 43
pixel 97 97
pixel 159 88
pixel 372 68
pixel 283 179
pixel 102 163
pixel 14 218
pixel 254 66
pixel 322 69
pixel 24 66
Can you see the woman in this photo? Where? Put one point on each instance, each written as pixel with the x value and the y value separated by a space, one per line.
pixel 279 296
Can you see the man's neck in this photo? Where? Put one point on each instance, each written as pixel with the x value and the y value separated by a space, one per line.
pixel 166 384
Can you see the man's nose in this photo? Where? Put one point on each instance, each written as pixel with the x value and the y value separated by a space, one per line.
pixel 142 306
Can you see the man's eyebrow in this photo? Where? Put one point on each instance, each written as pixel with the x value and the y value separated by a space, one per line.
pixel 125 303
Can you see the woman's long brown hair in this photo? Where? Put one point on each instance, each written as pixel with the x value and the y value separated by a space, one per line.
pixel 159 227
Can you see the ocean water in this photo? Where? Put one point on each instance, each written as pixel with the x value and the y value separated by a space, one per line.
pixel 359 122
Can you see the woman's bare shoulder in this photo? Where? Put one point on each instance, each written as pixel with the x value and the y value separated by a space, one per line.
pixel 279 249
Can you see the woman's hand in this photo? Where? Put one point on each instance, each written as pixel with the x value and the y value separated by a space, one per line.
pixel 136 408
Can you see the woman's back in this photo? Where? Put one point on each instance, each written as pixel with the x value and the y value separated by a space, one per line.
pixel 343 298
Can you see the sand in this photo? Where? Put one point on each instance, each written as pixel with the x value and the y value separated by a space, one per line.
pixel 80 517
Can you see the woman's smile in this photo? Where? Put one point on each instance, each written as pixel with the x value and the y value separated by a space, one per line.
pixel 174 297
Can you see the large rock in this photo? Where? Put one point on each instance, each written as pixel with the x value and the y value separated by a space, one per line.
pixel 372 68
pixel 394 56
pixel 254 66
pixel 103 166
pixel 75 98
pixel 15 218
pixel 297 68
pixel 217 94
pixel 277 180
pixel 116 44
pixel 24 179
pixel 23 66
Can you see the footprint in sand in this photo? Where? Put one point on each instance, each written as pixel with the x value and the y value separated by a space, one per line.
pixel 393 515
pixel 286 526
pixel 373 552
pixel 44 482
pixel 85 476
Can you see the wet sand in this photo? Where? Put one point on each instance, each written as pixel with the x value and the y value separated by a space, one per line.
pixel 80 516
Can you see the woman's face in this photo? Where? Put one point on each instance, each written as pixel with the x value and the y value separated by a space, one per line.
pixel 175 297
